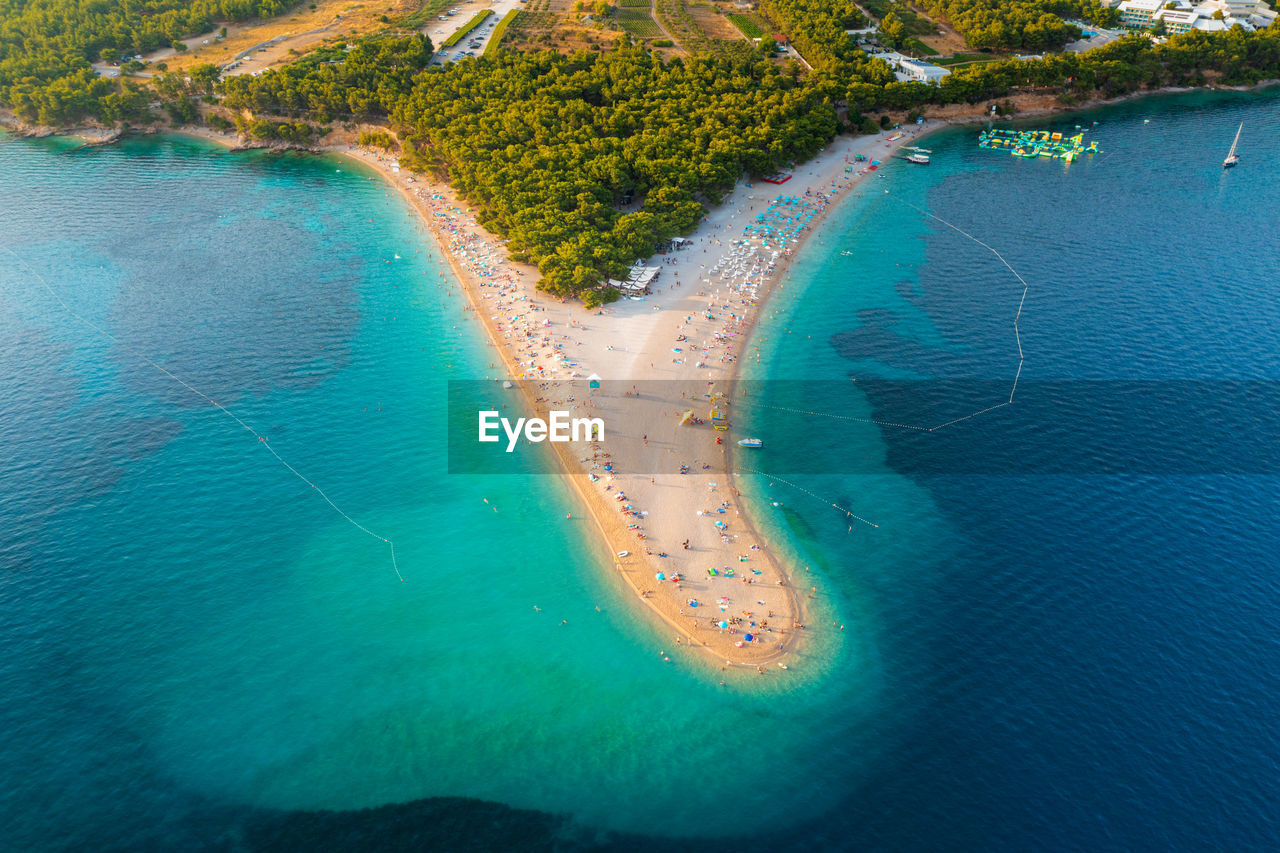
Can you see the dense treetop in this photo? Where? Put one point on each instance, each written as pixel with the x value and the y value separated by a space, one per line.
pixel 365 82
pixel 46 47
pixel 1032 25
pixel 817 29
pixel 547 146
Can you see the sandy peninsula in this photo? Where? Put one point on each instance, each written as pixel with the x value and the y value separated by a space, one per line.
pixel 660 492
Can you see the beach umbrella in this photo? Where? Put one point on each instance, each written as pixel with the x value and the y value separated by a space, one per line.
pixel 660 576
pixel 724 624
pixel 748 637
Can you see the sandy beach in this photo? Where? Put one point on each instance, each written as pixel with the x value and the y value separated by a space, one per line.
pixel 662 494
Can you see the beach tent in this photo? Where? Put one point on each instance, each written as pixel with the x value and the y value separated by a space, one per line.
pixel 593 381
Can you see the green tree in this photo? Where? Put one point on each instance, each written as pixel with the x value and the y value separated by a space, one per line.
pixel 892 31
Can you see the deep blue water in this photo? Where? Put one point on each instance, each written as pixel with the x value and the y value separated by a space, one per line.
pixel 1094 663
pixel 199 655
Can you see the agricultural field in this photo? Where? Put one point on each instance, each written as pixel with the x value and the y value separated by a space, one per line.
pixel 533 27
pixel 637 22
pixel 698 29
pixel 555 25
pixel 299 32
pixel 751 26
pixel 714 25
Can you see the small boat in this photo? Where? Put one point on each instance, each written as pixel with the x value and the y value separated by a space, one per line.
pixel 921 159
pixel 624 553
pixel 750 442
pixel 1232 157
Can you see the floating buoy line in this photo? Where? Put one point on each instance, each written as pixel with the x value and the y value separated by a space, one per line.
pixel 262 439
pixel 1017 337
pixel 1017 317
pixel 848 512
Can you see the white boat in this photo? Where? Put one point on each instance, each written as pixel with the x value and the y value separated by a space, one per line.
pixel 750 442
pixel 1232 157
pixel 921 159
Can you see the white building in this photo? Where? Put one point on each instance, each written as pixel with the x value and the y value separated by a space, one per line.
pixel 1139 14
pixel 921 71
pixel 906 68
pixel 1209 16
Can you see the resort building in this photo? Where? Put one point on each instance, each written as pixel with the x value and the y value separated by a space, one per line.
pixel 1180 20
pixel 906 68
pixel 1139 14
pixel 1181 16
pixel 922 72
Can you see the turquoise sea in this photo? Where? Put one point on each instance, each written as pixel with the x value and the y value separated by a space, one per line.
pixel 189 626
pixel 201 653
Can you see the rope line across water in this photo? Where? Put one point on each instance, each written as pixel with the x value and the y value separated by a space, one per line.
pixel 262 439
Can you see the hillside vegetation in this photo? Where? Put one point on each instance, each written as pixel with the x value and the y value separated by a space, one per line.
pixel 46 47
pixel 548 146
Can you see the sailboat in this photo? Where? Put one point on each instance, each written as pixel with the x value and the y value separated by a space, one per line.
pixel 1232 156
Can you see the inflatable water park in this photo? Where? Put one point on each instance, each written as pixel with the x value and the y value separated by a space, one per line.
pixel 1037 143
